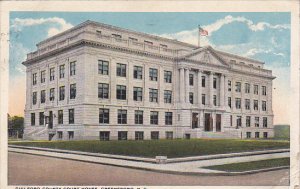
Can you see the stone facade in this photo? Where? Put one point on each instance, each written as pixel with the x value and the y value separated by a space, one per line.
pixel 97 81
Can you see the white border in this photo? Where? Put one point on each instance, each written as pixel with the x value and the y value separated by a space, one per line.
pixel 155 6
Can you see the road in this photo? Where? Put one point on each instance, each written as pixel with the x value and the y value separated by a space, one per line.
pixel 24 169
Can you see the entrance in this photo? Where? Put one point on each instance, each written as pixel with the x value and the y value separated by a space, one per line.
pixel 208 125
pixel 218 123
pixel 195 119
pixel 50 120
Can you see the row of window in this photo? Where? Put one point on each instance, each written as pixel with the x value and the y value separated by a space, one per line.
pixel 103 69
pixel 247 89
pixel 60 120
pixel 52 73
pixel 257 135
pixel 238 104
pixel 248 121
pixel 52 94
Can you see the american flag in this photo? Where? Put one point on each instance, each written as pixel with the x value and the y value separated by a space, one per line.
pixel 203 32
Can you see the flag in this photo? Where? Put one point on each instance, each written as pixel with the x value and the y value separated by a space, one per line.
pixel 203 32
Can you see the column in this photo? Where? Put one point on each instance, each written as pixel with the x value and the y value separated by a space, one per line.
pixel 225 91
pixel 211 88
pixel 222 91
pixel 199 89
pixel 187 85
pixel 181 85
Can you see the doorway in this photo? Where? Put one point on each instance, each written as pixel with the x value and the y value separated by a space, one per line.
pixel 218 123
pixel 50 120
pixel 195 118
pixel 208 125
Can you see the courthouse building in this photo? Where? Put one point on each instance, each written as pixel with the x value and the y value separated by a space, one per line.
pixel 101 82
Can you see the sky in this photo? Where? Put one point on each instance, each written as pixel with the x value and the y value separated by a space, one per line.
pixel 262 36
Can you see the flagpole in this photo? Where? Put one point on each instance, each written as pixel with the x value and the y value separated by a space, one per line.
pixel 198 35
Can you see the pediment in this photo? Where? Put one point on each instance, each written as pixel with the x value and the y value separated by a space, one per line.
pixel 207 56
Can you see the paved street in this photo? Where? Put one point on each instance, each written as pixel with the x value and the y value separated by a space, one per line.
pixel 27 169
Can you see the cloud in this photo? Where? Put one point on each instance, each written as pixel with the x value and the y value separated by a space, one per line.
pixel 18 54
pixel 62 25
pixel 255 51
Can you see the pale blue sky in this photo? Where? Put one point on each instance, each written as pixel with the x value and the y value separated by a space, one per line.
pixel 263 36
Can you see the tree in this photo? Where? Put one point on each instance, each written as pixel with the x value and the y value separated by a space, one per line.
pixel 15 126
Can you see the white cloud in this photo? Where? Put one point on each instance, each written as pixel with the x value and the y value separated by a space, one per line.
pixel 255 51
pixel 18 54
pixel 18 23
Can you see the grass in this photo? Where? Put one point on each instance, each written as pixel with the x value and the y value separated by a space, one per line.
pixel 282 131
pixel 169 148
pixel 254 165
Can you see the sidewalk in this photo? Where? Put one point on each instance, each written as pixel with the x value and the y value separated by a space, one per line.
pixel 187 167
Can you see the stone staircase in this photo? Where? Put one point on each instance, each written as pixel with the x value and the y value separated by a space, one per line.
pixel 38 133
pixel 227 134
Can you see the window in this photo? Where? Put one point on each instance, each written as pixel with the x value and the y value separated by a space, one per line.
pixel 103 115
pixel 248 134
pixel 215 100
pixel 264 106
pixel 32 119
pixel 203 81
pixel 255 89
pixel 71 116
pixel 122 135
pixel 153 95
pixel 137 93
pixel 265 122
pixel 62 93
pixel 122 116
pixel 238 87
pixel 255 104
pixel 138 117
pixel 169 135
pixel 168 118
pixel 103 90
pixel 42 117
pixel 153 118
pixel 34 79
pixel 43 96
pixel 154 135
pixel 103 67
pixel 214 83
pixel 60 134
pixel 73 91
pixel 52 74
pixel 138 72
pixel 203 99
pixel 229 102
pixel 71 135
pixel 153 74
pixel 256 134
pixel 43 76
pixel 247 88
pixel 148 42
pixel 256 122
pixel 60 117
pixel 116 36
pixel 139 135
pixel 34 98
pixel 72 68
pixel 132 39
pixel 121 92
pixel 238 103
pixel 61 71
pixel 121 70
pixel 168 76
pixel 51 96
pixel 230 120
pixel 163 46
pixel 229 85
pixel 247 104
pixel 265 134
pixel 248 121
pixel 264 90
pixel 104 135
pixel 98 32
pixel 191 79
pixel 238 121
pixel 167 96
pixel 191 97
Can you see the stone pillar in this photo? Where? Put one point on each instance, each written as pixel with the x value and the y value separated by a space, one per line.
pixel 213 114
pixel 211 88
pixel 225 91
pixel 199 89
pixel 181 85
pixel 187 85
pixel 222 91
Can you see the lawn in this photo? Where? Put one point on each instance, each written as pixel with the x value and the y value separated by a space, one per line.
pixel 169 148
pixel 254 165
